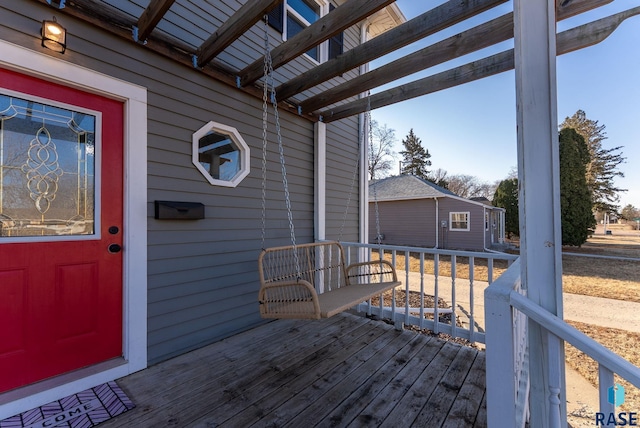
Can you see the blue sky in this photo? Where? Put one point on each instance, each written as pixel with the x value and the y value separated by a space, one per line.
pixel 471 129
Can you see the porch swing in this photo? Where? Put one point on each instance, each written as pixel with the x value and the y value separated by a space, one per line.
pixel 309 281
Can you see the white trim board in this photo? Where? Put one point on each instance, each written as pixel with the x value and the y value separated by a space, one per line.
pixel 34 63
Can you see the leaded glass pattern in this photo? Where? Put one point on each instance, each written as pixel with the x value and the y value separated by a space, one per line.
pixel 47 169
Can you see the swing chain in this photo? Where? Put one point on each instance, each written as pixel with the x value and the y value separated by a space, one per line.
pixel 351 187
pixel 375 195
pixel 265 90
pixel 269 81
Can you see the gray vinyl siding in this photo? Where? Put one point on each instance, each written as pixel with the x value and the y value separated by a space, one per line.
pixel 202 275
pixel 413 223
pixel 342 190
pixel 473 239
pixel 408 223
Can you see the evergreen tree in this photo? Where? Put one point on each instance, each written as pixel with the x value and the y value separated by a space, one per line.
pixel 415 158
pixel 602 168
pixel 506 196
pixel 575 197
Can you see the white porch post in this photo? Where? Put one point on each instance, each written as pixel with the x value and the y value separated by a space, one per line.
pixel 539 196
pixel 364 179
pixel 320 181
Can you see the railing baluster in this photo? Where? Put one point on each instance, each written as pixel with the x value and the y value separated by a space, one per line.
pixel 368 252
pixel 471 277
pixel 490 270
pixel 453 296
pixel 369 308
pixel 421 290
pixel 407 265
pixel 605 381
pixel 555 379
pixel 436 315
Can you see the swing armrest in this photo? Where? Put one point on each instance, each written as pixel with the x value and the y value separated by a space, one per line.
pixel 375 271
pixel 289 299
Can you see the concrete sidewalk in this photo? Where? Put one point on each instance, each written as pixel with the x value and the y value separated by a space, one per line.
pixel 591 310
pixel 612 313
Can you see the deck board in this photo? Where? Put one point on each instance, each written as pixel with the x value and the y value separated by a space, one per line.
pixel 343 371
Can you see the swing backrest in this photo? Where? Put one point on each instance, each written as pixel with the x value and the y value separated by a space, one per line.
pixel 322 264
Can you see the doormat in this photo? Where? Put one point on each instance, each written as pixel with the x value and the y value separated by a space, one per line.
pixel 85 409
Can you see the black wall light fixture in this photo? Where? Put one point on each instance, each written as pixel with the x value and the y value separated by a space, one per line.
pixel 54 36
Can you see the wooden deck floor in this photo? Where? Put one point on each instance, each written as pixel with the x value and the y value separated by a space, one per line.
pixel 343 371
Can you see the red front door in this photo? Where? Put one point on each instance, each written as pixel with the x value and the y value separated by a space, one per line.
pixel 61 220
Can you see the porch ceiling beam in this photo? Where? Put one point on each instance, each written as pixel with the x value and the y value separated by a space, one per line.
pixel 576 7
pixel 475 70
pixel 103 16
pixel 567 41
pixel 430 22
pixel 342 17
pixel 250 13
pixel 419 27
pixel 482 36
pixel 151 16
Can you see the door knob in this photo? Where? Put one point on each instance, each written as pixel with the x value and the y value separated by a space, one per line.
pixel 114 248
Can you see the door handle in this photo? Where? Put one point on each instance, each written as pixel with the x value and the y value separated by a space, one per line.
pixel 114 248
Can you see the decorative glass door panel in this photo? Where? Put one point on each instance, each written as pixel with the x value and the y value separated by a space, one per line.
pixel 61 229
pixel 47 169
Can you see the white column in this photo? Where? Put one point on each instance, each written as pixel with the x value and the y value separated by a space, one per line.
pixel 364 179
pixel 320 181
pixel 364 153
pixel 538 174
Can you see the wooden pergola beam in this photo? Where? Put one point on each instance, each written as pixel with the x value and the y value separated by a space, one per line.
pixel 567 41
pixel 430 22
pixel 576 7
pixel 475 70
pixel 101 15
pixel 151 16
pixel 422 26
pixel 250 13
pixel 342 17
pixel 482 36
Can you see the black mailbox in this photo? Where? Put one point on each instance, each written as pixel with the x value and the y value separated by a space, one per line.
pixel 173 210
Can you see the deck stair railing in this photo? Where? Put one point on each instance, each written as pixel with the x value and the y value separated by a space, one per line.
pixel 507 313
pixel 462 293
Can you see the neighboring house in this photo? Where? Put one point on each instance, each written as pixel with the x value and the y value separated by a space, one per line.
pixel 416 212
pixel 130 177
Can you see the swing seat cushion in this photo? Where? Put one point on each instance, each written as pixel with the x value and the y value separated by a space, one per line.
pixel 323 287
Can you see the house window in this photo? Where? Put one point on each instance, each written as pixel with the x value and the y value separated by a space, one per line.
pixel 459 221
pixel 220 154
pixel 293 16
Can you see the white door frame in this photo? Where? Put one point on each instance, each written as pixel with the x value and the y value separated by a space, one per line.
pixel 45 67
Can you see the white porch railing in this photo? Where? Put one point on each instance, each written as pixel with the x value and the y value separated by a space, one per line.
pixel 507 310
pixel 460 290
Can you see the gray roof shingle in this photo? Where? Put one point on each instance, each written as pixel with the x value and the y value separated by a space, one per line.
pixel 405 187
